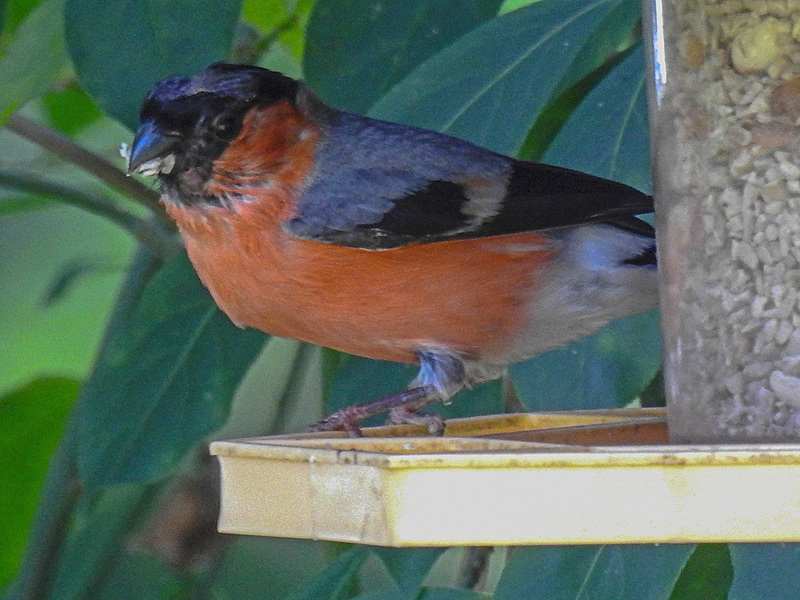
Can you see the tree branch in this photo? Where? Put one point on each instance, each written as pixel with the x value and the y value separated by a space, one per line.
pixel 150 233
pixel 266 42
pixel 250 45
pixel 65 148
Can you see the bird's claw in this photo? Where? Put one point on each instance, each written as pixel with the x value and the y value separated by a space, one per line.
pixel 401 407
pixel 345 419
pixel 406 416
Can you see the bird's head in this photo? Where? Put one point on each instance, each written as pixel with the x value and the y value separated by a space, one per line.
pixel 186 123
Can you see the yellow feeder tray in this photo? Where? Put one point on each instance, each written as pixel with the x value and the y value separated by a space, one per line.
pixel 582 477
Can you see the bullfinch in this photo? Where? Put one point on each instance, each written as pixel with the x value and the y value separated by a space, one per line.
pixel 384 240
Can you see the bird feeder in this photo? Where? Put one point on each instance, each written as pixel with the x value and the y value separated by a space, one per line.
pixel 724 108
pixel 549 478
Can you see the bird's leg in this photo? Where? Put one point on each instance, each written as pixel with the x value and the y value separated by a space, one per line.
pixel 440 376
pixel 348 418
pixel 442 371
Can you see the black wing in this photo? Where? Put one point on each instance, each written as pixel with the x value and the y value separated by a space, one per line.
pixel 378 186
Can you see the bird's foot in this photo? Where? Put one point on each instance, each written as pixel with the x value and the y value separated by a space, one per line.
pixel 403 415
pixel 406 402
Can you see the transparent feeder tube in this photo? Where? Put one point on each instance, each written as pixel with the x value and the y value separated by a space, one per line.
pixel 725 116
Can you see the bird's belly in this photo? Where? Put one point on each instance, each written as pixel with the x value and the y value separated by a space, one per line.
pixel 467 296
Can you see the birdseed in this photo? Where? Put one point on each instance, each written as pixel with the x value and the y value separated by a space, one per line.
pixel 727 171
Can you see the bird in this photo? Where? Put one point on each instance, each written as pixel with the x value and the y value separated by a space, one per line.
pixel 385 240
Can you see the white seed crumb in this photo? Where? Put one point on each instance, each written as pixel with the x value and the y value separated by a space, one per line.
pixel 786 387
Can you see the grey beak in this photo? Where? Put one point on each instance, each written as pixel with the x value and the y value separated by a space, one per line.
pixel 148 144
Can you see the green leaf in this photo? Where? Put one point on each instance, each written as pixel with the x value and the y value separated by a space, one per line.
pixel 259 567
pixel 15 12
pixel 492 83
pixel 707 574
pixel 22 204
pixel 510 5
pixel 607 135
pixel 765 571
pixel 120 48
pixel 408 566
pixel 618 31
pixel 33 58
pixel 134 576
pixel 615 32
pixel 333 582
pixel 91 546
pixel 31 421
pixel 604 370
pixel 164 380
pixel 70 110
pixel 630 572
pixel 358 50
pixel 272 16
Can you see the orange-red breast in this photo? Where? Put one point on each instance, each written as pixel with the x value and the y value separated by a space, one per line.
pixel 384 240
